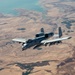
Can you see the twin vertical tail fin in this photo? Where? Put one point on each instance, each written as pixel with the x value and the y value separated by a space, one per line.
pixel 60 32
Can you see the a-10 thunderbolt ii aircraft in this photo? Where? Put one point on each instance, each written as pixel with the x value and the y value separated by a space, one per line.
pixel 41 38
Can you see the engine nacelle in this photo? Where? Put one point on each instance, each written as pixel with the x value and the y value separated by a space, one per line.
pixel 40 34
pixel 49 35
pixel 46 35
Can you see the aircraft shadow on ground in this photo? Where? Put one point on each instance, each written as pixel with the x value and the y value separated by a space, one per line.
pixel 68 60
pixel 30 66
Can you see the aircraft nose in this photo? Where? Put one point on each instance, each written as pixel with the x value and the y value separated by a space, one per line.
pixel 24 46
pixel 22 49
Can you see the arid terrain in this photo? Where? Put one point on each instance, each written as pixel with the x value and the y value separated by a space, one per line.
pixel 48 60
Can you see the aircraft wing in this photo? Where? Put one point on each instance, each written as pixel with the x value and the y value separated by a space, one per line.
pixel 55 40
pixel 20 40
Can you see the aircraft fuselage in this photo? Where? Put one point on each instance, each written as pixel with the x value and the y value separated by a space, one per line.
pixel 35 41
pixel 32 42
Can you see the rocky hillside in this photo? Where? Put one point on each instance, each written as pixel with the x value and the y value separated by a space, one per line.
pixel 46 60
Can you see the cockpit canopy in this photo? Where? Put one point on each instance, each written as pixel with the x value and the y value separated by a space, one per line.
pixel 29 41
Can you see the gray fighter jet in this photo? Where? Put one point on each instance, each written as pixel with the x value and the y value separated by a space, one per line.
pixel 41 38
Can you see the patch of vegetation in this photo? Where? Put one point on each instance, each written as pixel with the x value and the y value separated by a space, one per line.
pixel 21 29
pixel 68 23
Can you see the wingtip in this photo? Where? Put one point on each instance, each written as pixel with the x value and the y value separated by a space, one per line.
pixel 70 37
pixel 13 39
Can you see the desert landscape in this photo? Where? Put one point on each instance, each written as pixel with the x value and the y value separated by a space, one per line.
pixel 49 60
